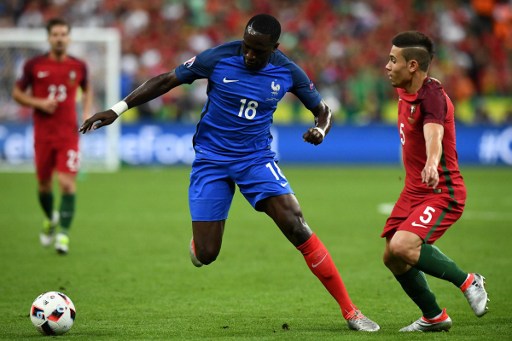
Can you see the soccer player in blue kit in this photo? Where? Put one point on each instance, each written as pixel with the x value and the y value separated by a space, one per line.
pixel 246 80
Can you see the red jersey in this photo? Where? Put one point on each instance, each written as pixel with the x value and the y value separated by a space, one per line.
pixel 430 104
pixel 50 78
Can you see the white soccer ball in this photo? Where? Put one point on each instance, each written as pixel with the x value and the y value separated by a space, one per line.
pixel 52 313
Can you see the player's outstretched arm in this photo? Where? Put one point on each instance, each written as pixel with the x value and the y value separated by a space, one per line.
pixel 316 134
pixel 151 89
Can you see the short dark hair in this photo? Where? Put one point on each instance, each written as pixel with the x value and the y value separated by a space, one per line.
pixel 265 24
pixel 56 22
pixel 415 45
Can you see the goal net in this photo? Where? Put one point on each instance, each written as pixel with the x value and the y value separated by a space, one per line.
pixel 100 49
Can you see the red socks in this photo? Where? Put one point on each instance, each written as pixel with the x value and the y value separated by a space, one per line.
pixel 467 283
pixel 320 263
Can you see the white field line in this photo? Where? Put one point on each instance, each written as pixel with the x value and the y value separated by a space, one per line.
pixel 385 207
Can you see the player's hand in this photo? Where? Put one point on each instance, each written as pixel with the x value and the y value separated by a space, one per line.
pixel 48 105
pixel 314 136
pixel 98 120
pixel 430 176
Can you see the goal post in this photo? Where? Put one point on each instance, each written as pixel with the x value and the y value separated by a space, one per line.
pixel 100 48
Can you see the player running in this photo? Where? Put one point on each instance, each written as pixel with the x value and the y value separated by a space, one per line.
pixel 434 194
pixel 246 80
pixel 49 84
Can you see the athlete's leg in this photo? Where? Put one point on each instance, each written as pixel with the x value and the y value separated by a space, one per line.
pixel 67 185
pixel 264 185
pixel 45 196
pixel 411 245
pixel 433 262
pixel 66 164
pixel 410 278
pixel 67 182
pixel 44 162
pixel 410 248
pixel 51 220
pixel 287 214
pixel 210 194
pixel 207 240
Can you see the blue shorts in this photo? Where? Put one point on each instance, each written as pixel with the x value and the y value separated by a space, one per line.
pixel 212 185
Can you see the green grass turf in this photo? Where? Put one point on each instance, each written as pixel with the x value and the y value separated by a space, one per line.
pixel 130 277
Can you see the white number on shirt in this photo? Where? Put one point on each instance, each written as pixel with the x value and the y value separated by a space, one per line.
pixel 402 135
pixel 249 110
pixel 58 92
pixel 73 161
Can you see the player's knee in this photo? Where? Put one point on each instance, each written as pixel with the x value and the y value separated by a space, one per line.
pixel 45 186
pixel 206 255
pixel 398 249
pixel 68 188
pixel 387 259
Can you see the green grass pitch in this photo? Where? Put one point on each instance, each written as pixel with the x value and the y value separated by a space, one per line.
pixel 130 276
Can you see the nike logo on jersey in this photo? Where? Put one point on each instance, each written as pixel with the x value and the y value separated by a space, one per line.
pixel 418 225
pixel 43 74
pixel 314 265
pixel 283 184
pixel 225 80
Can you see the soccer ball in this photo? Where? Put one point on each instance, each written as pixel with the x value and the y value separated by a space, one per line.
pixel 52 313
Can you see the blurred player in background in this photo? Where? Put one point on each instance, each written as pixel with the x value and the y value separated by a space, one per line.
pixel 246 80
pixel 434 194
pixel 49 84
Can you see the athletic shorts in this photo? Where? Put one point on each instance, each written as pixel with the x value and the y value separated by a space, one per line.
pixel 62 156
pixel 428 217
pixel 212 185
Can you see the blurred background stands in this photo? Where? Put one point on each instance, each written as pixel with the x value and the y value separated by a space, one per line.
pixel 343 46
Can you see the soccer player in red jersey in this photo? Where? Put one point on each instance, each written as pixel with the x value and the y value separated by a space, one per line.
pixel 434 194
pixel 49 84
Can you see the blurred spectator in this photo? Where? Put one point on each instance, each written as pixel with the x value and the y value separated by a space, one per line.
pixel 339 43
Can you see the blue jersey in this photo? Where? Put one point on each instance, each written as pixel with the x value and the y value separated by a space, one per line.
pixel 236 119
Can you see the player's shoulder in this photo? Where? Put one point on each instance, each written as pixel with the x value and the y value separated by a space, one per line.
pixel 38 59
pixel 431 88
pixel 75 60
pixel 214 54
pixel 283 62
pixel 235 45
pixel 432 85
pixel 226 50
pixel 278 58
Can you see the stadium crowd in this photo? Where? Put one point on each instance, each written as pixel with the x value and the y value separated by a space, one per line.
pixel 341 44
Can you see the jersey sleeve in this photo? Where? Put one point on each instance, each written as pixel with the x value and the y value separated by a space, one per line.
pixel 304 88
pixel 434 107
pixel 200 66
pixel 25 80
pixel 84 84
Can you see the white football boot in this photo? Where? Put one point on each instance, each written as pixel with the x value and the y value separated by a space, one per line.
pixel 477 296
pixel 423 324
pixel 357 321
